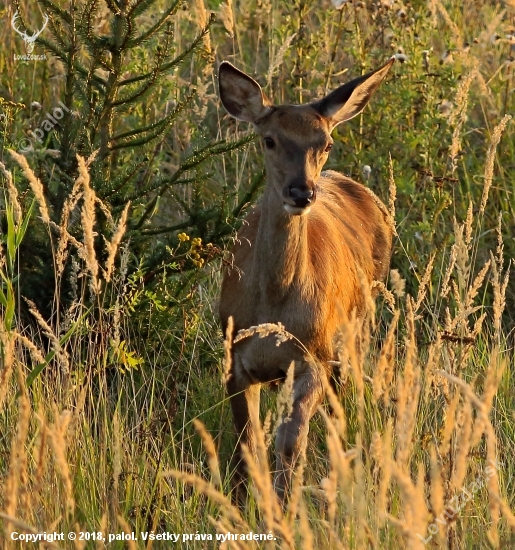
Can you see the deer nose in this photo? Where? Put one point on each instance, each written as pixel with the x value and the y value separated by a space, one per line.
pixel 301 196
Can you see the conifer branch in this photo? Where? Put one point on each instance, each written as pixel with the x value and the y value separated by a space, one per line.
pixel 113 7
pixel 150 32
pixel 57 35
pixel 93 43
pixel 139 7
pixel 156 126
pixel 191 161
pixel 257 181
pixel 118 183
pixel 166 229
pixel 167 67
pixel 63 56
pixel 57 11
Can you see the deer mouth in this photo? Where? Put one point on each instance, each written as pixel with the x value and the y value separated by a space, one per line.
pixel 296 210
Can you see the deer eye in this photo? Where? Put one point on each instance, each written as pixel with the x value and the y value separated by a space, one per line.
pixel 328 148
pixel 269 143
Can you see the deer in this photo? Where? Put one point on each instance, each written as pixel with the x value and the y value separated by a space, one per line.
pixel 299 259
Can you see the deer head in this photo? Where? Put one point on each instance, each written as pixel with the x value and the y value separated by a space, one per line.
pixel 29 40
pixel 297 138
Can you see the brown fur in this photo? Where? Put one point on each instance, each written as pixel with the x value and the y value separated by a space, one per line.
pixel 298 263
pixel 310 289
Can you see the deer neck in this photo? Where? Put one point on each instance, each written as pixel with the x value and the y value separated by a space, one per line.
pixel 281 255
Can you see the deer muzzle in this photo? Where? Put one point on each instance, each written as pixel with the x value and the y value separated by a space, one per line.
pixel 299 197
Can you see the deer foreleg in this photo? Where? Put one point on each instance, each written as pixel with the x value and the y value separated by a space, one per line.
pixel 292 433
pixel 244 398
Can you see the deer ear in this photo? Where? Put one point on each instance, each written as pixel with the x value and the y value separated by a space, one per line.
pixel 241 95
pixel 349 100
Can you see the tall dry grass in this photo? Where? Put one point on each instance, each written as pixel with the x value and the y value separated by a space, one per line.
pixel 40 452
pixel 391 482
pixel 425 459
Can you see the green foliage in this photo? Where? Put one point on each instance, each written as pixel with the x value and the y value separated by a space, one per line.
pixel 125 97
pixel 10 242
